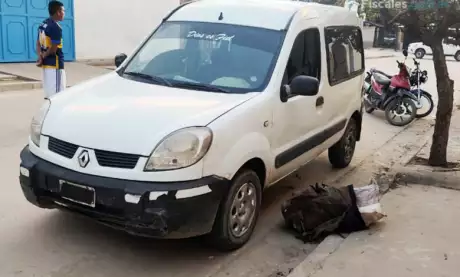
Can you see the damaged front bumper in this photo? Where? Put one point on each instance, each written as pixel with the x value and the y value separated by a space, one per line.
pixel 163 210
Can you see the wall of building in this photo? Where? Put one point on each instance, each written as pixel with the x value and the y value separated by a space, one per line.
pixel 104 28
pixel 368 37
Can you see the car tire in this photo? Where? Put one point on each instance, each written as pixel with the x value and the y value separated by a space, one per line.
pixel 233 228
pixel 341 153
pixel 457 56
pixel 420 53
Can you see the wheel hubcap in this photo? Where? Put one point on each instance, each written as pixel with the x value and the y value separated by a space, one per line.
pixel 243 209
pixel 401 110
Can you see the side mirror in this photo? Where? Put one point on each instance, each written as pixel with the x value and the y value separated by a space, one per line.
pixel 405 53
pixel 304 85
pixel 300 85
pixel 119 59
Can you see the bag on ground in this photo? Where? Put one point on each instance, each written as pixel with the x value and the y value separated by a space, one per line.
pixel 320 210
pixel 367 199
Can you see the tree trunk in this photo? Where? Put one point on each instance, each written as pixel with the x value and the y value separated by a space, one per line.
pixel 445 86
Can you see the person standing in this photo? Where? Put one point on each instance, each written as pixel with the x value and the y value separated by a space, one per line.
pixel 49 50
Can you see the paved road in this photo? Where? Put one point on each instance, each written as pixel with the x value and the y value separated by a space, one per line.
pixel 41 243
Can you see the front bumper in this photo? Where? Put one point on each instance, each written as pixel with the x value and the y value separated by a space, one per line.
pixel 173 214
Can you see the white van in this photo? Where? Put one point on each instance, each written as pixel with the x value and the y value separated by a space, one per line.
pixel 221 101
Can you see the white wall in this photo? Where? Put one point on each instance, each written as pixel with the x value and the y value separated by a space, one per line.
pixel 104 28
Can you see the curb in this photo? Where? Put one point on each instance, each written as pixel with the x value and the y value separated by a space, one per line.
pixel 426 175
pixel 97 62
pixel 379 57
pixel 20 86
pixel 315 261
pixel 421 143
pixel 422 176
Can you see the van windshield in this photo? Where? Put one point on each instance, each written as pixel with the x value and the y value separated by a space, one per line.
pixel 207 56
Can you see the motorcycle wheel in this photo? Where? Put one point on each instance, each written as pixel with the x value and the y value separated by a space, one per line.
pixel 399 107
pixel 430 109
pixel 367 107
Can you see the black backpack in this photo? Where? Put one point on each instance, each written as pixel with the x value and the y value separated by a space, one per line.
pixel 321 210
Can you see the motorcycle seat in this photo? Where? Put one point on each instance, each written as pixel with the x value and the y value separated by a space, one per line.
pixel 381 79
pixel 383 73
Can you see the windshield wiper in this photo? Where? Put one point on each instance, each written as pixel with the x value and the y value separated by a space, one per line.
pixel 154 78
pixel 200 86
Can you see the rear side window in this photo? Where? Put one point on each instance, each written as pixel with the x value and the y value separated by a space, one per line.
pixel 345 53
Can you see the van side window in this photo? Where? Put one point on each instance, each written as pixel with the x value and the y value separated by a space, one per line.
pixel 305 57
pixel 345 53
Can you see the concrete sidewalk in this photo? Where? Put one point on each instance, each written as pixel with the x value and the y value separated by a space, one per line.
pixel 76 72
pixel 417 171
pixel 418 238
pixel 377 53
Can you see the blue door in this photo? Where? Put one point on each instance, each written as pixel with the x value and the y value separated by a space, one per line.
pixel 19 20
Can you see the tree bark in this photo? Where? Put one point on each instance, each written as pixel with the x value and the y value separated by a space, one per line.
pixel 445 86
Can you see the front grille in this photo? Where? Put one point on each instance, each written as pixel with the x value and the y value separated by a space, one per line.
pixel 114 159
pixel 62 148
pixel 104 158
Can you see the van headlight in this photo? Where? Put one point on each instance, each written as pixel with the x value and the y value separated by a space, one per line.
pixel 37 122
pixel 180 149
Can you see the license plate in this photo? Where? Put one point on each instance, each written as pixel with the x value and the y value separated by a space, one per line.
pixel 80 194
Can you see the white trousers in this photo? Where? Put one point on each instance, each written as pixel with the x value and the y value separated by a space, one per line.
pixel 54 81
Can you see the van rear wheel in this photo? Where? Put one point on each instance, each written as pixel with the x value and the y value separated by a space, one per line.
pixel 238 212
pixel 341 153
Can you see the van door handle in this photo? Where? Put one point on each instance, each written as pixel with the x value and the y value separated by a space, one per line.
pixel 319 101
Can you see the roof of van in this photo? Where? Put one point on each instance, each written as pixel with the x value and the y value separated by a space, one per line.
pixel 269 14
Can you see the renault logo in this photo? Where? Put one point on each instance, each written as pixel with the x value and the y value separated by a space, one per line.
pixel 83 158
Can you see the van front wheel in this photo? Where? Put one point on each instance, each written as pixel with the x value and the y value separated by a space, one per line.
pixel 238 212
pixel 341 153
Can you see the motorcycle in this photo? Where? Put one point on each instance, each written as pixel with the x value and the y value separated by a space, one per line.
pixel 393 95
pixel 418 77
